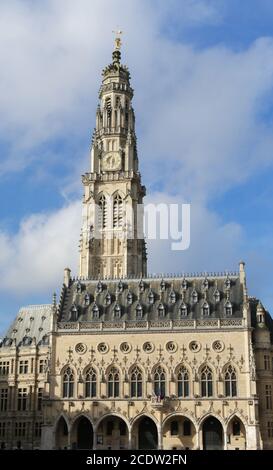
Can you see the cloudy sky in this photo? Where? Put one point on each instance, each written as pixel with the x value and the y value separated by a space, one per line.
pixel 202 71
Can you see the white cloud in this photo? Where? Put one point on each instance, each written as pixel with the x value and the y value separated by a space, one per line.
pixel 199 118
pixel 33 259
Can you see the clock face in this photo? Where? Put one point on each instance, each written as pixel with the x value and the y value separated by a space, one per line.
pixel 111 161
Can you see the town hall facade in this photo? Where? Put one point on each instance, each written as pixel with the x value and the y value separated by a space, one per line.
pixel 126 360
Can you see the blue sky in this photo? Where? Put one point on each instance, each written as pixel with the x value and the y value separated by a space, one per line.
pixel 202 72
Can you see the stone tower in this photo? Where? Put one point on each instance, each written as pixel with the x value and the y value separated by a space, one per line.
pixel 112 243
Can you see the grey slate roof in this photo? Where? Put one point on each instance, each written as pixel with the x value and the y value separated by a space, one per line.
pixel 151 298
pixel 31 326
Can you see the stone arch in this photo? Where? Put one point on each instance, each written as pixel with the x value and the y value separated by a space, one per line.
pixel 232 364
pixel 65 417
pixel 236 429
pixel 61 431
pixel 148 415
pixel 183 415
pixel 112 431
pixel 214 415
pixel 79 415
pixel 183 364
pixel 145 432
pixel 118 192
pixel 82 432
pixel 180 431
pixel 90 366
pixel 113 364
pixel 212 432
pixel 208 364
pixel 63 369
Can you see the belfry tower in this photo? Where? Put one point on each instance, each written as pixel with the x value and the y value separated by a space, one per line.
pixel 112 243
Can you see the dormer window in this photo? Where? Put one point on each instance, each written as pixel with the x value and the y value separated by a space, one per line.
pixel 151 297
pixel 172 297
pixel 163 285
pixel 129 298
pixel 141 286
pixel 108 299
pixel 205 284
pixel 184 284
pixel 117 311
pixel 194 296
pixel 183 310
pixel 87 299
pixel 74 313
pixel 205 309
pixel 217 296
pixel 99 287
pixel 79 288
pixel 120 286
pixel 227 283
pixel 139 311
pixel 95 311
pixel 228 308
pixel 161 310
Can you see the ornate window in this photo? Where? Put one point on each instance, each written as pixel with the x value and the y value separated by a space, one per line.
pixel 113 383
pixel 90 383
pixel 102 215
pixel 171 346
pixel 139 311
pixel 184 284
pixel 125 347
pixel 159 382
pixel 205 309
pixel 228 308
pixel 183 389
pixel 136 383
pixel 68 383
pixel 148 347
pixel 205 284
pixel 206 382
pixel 117 211
pixel 230 382
pixel 163 285
pixel 161 310
pixel 183 310
pixel 103 348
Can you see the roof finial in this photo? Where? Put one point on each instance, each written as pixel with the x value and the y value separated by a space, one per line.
pixel 116 53
pixel 118 42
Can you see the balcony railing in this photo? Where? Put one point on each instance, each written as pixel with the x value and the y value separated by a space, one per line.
pixel 154 325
